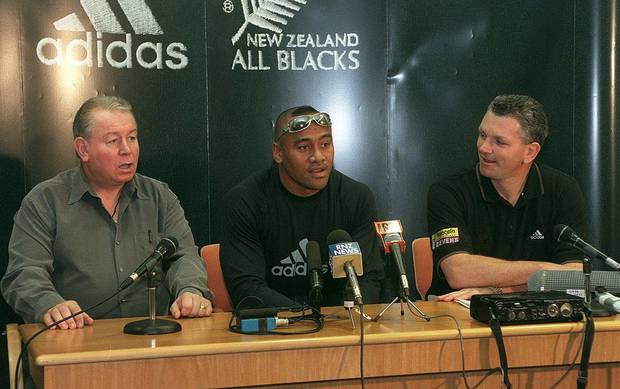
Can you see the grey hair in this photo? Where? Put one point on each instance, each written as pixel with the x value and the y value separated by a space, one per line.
pixel 82 124
pixel 527 111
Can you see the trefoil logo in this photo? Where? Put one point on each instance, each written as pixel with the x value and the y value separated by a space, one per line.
pixel 95 51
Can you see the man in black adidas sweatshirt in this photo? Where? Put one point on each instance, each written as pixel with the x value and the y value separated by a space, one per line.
pixel 273 214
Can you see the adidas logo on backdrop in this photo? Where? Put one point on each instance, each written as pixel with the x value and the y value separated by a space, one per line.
pixel 94 52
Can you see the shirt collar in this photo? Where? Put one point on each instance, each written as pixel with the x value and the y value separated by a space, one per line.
pixel 78 186
pixel 533 186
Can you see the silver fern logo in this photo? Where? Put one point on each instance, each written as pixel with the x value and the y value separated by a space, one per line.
pixel 271 45
pixel 267 14
pixel 95 51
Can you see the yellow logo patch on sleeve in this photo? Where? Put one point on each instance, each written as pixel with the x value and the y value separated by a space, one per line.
pixel 445 236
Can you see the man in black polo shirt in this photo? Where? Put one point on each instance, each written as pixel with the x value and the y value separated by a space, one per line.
pixel 491 226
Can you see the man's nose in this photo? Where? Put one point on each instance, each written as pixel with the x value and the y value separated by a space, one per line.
pixel 484 146
pixel 124 147
pixel 317 155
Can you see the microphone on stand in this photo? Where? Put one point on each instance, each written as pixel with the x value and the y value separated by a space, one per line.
pixel 165 247
pixel 390 233
pixel 345 260
pixel 152 325
pixel 563 233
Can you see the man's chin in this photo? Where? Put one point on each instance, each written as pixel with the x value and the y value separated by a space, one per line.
pixel 486 171
pixel 317 183
pixel 125 177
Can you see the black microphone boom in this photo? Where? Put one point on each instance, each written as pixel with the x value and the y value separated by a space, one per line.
pixel 313 254
pixel 338 236
pixel 566 234
pixel 165 247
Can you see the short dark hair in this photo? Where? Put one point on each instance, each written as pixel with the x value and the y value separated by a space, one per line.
pixel 82 124
pixel 290 112
pixel 527 111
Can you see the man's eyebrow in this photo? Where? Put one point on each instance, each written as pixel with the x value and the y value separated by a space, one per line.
pixel 308 139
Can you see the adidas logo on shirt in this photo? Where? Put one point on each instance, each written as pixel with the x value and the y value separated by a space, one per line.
pixel 537 235
pixel 294 264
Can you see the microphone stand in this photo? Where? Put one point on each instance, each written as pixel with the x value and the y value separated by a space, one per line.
pixel 402 297
pixel 582 375
pixel 152 325
pixel 349 306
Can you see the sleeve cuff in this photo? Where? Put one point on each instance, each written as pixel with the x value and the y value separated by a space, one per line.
pixel 43 304
pixel 204 293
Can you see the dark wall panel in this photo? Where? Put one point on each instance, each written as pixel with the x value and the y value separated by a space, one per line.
pixel 597 141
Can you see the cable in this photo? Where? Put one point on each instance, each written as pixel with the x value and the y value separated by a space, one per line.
pixel 497 369
pixel 362 345
pixel 461 341
pixel 27 342
pixel 496 328
pixel 588 339
pixel 574 362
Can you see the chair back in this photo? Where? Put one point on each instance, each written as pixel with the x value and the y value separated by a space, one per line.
pixel 14 346
pixel 211 255
pixel 422 264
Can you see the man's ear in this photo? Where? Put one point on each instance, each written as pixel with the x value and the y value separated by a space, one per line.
pixel 531 152
pixel 80 145
pixel 276 152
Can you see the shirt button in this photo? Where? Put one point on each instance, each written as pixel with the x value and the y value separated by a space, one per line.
pixel 123 300
pixel 117 243
pixel 120 269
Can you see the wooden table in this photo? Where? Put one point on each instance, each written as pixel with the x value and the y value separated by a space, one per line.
pixel 399 350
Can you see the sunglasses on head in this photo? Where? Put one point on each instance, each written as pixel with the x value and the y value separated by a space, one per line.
pixel 300 123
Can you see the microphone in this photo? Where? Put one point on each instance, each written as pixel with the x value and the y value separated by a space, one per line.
pixel 345 260
pixel 165 247
pixel 390 233
pixel 313 254
pixel 566 234
pixel 611 302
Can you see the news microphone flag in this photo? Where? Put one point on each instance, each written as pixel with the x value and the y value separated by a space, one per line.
pixel 393 230
pixel 340 253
